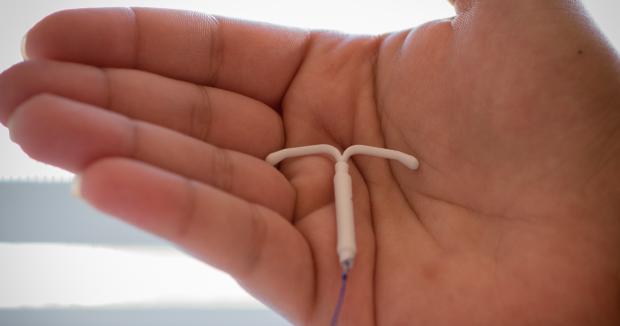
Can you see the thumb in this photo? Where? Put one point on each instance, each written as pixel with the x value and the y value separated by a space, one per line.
pixel 508 7
pixel 556 25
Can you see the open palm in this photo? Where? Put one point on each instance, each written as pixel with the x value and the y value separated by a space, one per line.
pixel 512 108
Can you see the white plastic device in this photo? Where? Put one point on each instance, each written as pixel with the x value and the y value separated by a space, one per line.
pixel 343 192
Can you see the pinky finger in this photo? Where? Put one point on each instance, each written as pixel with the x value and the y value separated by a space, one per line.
pixel 266 254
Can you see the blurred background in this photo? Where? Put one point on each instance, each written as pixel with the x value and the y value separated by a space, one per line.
pixel 62 263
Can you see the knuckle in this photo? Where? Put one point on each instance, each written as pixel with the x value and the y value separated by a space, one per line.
pixel 255 243
pixel 222 169
pixel 201 116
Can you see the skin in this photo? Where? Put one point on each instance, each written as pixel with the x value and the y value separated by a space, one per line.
pixel 512 108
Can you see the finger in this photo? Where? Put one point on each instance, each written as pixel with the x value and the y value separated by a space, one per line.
pixel 262 251
pixel 257 60
pixel 223 118
pixel 72 135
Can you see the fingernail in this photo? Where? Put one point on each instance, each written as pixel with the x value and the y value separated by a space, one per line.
pixel 9 125
pixel 76 186
pixel 24 54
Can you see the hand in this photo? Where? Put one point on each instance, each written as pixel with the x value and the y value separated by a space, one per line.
pixel 512 108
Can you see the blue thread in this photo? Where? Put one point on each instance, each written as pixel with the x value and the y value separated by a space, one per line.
pixel 340 300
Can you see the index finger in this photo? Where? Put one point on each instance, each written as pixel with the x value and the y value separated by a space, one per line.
pixel 253 59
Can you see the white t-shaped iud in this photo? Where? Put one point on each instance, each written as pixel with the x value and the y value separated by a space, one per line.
pixel 343 192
